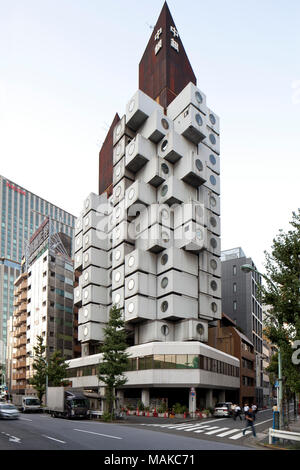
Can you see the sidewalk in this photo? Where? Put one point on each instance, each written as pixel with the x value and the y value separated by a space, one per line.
pixel 262 439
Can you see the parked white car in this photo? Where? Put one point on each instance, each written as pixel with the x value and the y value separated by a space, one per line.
pixel 223 409
pixel 8 411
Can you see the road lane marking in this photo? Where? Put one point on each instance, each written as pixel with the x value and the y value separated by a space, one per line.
pixel 53 439
pixel 25 419
pixel 239 435
pixel 203 430
pixel 173 426
pixel 196 427
pixel 215 431
pixel 12 438
pixel 258 424
pixel 226 433
pixel 98 434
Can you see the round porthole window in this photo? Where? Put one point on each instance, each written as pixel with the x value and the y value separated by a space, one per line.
pixel 131 106
pixel 87 203
pixel 110 257
pixel 86 331
pixel 86 240
pixel 118 191
pixel 213 201
pixel 78 242
pixel 87 220
pixel 118 171
pixel 86 276
pixel 86 258
pixel 212 119
pixel 119 128
pixel 164 282
pixel 119 148
pixel 118 255
pixel 165 330
pixel 199 120
pixel 131 148
pixel 117 298
pixel 164 259
pixel 213 222
pixel 164 168
pixel 86 312
pixel 200 329
pixel 165 123
pixel 118 212
pixel 164 190
pixel 131 284
pixel 213 243
pixel 131 194
pixel 213 264
pixel 213 180
pixel 77 293
pixel 198 97
pixel 117 276
pixel 131 261
pixel 164 306
pixel 164 145
pixel 164 214
pixel 199 213
pixel 199 165
pixel 214 285
pixel 212 159
pixel 131 307
pixel 212 139
pixel 86 294
pixel 117 233
pixel 78 258
pixel 214 307
pixel 165 237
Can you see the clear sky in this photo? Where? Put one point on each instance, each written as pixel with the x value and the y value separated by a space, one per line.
pixel 67 66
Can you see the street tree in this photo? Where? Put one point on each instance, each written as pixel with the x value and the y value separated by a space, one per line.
pixel 40 368
pixel 115 359
pixel 57 370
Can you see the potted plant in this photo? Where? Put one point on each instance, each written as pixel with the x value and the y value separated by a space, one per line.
pixel 162 410
pixel 178 410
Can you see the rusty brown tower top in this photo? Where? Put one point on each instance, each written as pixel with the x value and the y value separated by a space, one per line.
pixel 165 69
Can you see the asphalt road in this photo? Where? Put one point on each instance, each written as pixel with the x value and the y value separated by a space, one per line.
pixel 42 432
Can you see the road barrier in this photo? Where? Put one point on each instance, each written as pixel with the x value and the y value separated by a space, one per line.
pixel 286 435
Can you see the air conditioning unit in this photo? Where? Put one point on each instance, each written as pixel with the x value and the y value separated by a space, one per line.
pixel 213 244
pixel 138 153
pixel 122 233
pixel 174 191
pixel 139 108
pixel 191 124
pixel 210 199
pixel 118 298
pixel 120 149
pixel 95 257
pixel 175 306
pixel 191 330
pixel 213 121
pixel 95 239
pixel 189 95
pixel 118 277
pixel 119 254
pixel 172 147
pixel 210 263
pixel 155 330
pixel 93 313
pixel 78 260
pixel 156 126
pixel 177 282
pixel 209 307
pixel 174 258
pixel 209 284
pixel 139 193
pixel 78 242
pixel 212 140
pixel 139 308
pixel 139 260
pixel 121 130
pixel 157 214
pixel 120 189
pixel 188 211
pixel 213 181
pixel 191 169
pixel 140 283
pixel 120 172
pixel 91 332
pixel 155 172
pixel 191 236
pixel 96 276
pixel 78 225
pixel 95 295
pixel 96 203
pixel 155 239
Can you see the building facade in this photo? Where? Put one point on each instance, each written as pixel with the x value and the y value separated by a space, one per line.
pixel 241 303
pixel 150 242
pixel 22 212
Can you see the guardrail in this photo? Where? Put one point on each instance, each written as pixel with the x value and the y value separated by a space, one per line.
pixel 287 435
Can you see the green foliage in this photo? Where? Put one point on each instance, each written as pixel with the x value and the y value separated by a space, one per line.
pixel 179 409
pixel 140 405
pixel 162 408
pixel 40 368
pixel 106 417
pixel 57 370
pixel 115 359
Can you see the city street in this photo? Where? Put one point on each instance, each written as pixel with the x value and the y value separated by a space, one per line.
pixel 42 432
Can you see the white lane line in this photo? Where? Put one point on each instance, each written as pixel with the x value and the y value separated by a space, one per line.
pixel 215 431
pixel 203 430
pixel 53 439
pixel 196 427
pixel 226 433
pixel 258 424
pixel 239 435
pixel 12 438
pixel 98 434
pixel 25 419
pixel 173 426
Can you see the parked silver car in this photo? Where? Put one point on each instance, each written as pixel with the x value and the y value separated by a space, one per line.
pixel 223 409
pixel 8 411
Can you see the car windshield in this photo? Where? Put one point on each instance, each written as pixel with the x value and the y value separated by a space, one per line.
pixel 7 407
pixel 32 401
pixel 79 403
pixel 221 405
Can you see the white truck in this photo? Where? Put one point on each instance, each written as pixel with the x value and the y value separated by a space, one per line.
pixel 26 403
pixel 65 403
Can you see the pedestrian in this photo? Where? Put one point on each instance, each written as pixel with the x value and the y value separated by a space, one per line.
pixel 246 408
pixel 254 408
pixel 249 416
pixel 237 412
pixel 232 409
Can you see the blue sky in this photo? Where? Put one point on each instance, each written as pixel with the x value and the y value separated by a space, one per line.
pixel 68 66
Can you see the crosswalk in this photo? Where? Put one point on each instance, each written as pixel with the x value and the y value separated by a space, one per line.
pixel 208 429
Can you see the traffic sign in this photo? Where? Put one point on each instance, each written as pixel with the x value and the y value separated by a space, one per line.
pixel 276 384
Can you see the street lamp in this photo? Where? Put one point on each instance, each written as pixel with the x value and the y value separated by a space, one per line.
pixel 247 268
